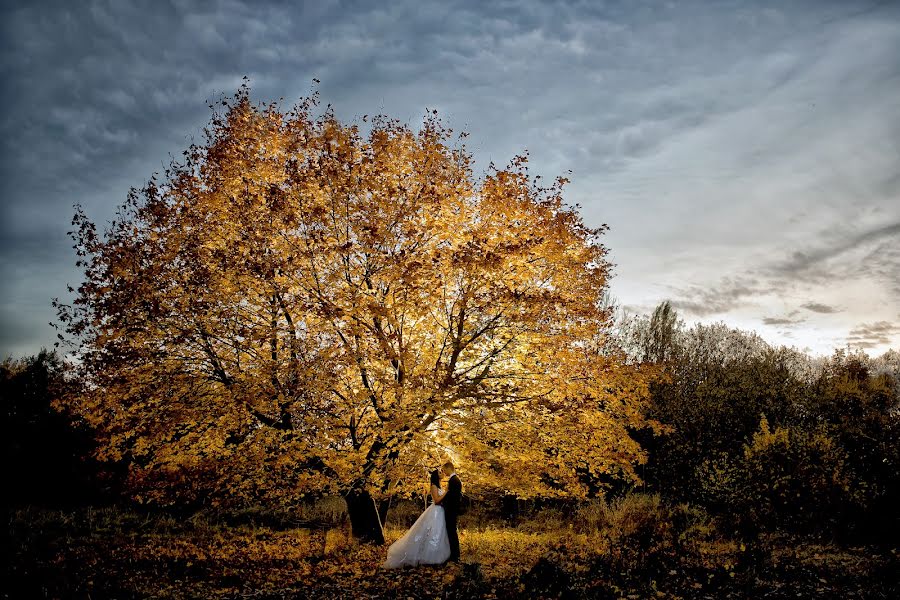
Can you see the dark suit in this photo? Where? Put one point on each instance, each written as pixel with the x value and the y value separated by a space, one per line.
pixel 450 502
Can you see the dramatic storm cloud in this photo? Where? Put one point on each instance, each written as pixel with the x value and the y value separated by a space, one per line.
pixel 746 155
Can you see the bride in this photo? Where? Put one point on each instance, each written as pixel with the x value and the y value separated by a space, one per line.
pixel 426 542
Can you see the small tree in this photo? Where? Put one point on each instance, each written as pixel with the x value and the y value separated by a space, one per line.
pixel 299 308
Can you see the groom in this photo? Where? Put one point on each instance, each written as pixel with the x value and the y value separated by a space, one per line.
pixel 451 508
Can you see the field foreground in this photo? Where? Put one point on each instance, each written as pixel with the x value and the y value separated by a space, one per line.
pixel 111 553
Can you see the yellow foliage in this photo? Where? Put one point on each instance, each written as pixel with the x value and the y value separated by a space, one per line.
pixel 300 308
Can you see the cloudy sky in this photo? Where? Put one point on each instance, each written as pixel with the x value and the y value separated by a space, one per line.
pixel 746 155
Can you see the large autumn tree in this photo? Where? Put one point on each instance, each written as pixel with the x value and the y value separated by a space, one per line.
pixel 303 307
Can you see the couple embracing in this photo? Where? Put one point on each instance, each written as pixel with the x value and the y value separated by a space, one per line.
pixel 433 539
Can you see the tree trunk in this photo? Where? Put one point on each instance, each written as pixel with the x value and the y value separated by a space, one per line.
pixel 364 520
pixel 383 508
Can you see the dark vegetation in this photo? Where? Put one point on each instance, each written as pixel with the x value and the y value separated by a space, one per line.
pixel 774 439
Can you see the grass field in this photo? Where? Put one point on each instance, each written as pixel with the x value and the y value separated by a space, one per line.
pixel 633 549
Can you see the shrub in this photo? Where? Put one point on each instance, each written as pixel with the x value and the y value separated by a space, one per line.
pixel 786 478
pixel 646 539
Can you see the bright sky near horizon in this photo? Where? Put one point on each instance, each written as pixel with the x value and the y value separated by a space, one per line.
pixel 746 155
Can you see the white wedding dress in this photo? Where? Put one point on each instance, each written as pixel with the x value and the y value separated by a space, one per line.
pixel 426 542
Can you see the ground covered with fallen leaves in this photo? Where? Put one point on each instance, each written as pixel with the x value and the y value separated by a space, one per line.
pixel 111 553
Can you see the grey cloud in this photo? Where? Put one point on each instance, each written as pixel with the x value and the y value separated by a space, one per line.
pixel 872 254
pixel 781 321
pixel 882 262
pixel 820 266
pixel 877 328
pixel 803 260
pixel 820 308
pixel 871 335
pixel 729 293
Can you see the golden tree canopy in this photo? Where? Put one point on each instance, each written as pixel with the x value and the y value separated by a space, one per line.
pixel 301 306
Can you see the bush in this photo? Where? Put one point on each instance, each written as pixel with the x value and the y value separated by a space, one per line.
pixel 647 540
pixel 786 478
